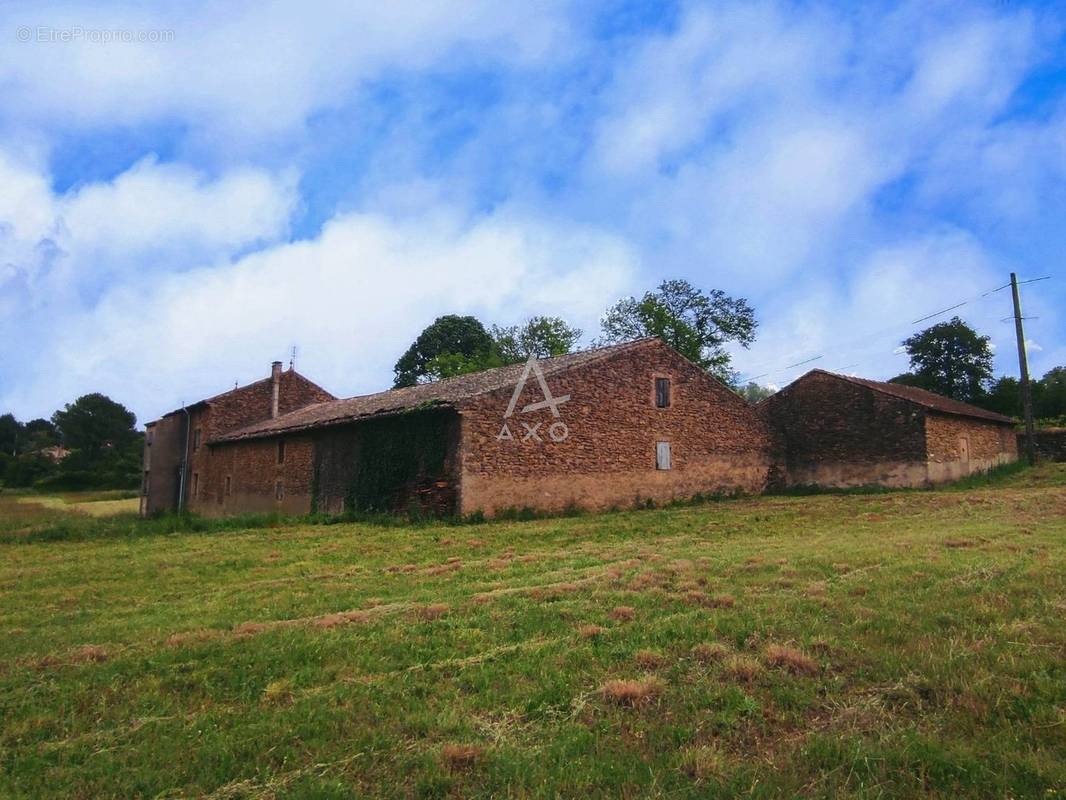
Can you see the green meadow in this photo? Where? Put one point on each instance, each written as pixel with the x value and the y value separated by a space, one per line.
pixel 891 644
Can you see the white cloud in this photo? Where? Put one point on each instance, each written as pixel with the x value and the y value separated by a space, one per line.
pixel 856 325
pixel 152 217
pixel 352 299
pixel 247 70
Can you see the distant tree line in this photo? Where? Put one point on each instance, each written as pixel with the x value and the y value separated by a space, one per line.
pixel 88 444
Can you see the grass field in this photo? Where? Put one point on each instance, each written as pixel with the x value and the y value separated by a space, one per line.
pixel 881 645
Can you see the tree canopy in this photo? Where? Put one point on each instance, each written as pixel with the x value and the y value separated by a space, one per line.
pixel 542 337
pixel 450 341
pixel 949 358
pixel 695 323
pixel 94 423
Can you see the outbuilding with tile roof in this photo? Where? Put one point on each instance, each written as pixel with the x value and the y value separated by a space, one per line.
pixel 838 431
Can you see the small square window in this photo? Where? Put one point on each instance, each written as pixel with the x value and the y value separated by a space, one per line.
pixel 662 392
pixel 281 451
pixel 279 490
pixel 662 455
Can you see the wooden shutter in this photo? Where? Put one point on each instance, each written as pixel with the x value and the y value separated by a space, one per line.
pixel 662 455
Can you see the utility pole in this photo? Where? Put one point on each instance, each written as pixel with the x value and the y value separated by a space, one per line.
pixel 1023 365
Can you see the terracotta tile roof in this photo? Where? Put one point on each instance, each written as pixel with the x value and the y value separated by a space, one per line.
pixel 442 393
pixel 926 399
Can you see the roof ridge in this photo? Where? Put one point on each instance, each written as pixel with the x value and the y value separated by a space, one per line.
pixel 935 401
pixel 491 380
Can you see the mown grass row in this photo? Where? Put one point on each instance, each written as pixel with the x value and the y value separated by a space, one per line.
pixel 876 645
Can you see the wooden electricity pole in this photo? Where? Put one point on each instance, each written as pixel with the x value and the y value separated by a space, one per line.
pixel 1023 366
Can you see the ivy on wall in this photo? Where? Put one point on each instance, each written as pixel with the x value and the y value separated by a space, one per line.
pixel 379 464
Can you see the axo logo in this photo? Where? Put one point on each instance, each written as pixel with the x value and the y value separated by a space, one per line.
pixel 557 431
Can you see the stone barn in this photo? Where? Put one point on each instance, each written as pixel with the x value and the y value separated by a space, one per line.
pixel 613 426
pixel 178 465
pixel 838 431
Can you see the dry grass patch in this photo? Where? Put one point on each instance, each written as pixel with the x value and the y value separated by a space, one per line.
pixel 710 601
pixel 278 692
pixel 441 569
pixel 590 631
pixel 710 652
pixel 460 756
pixel 791 660
pixel 705 762
pixel 433 611
pixel 957 543
pixel 250 628
pixel 744 669
pixel 632 693
pixel 623 613
pixel 649 659
pixel 816 589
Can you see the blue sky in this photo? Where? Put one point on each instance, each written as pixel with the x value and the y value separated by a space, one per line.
pixel 178 210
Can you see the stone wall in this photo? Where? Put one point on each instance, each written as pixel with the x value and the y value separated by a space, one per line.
pixel 607 457
pixel 960 446
pixel 164 443
pixel 208 419
pixel 1050 444
pixel 247 477
pixel 833 433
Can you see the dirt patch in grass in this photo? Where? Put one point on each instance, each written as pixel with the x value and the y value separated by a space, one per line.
pixel 632 693
pixel 791 660
pixel 460 756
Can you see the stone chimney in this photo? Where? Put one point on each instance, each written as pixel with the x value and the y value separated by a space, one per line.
pixel 275 378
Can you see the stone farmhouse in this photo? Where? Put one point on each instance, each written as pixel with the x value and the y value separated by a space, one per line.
pixel 837 431
pixel 595 429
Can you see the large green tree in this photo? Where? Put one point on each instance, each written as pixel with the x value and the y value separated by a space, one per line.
pixel 1051 400
pixel 94 424
pixel 697 324
pixel 452 342
pixel 542 337
pixel 10 434
pixel 950 358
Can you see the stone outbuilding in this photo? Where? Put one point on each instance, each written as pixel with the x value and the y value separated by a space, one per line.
pixel 838 431
pixel 609 427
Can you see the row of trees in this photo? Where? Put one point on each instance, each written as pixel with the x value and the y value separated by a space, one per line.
pixel 949 358
pixel 697 324
pixel 954 360
pixel 90 443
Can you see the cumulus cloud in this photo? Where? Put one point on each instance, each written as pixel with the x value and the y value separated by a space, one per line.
pixel 352 299
pixel 245 70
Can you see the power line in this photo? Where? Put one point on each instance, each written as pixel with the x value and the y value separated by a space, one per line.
pixel 866 337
